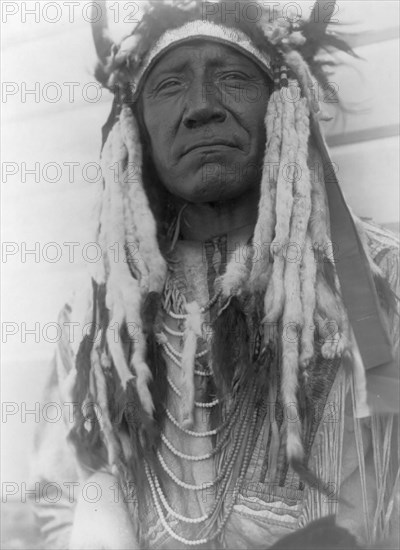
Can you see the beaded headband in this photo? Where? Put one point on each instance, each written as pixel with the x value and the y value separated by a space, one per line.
pixel 198 30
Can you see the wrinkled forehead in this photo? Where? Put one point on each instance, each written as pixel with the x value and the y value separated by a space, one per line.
pixel 204 33
pixel 205 54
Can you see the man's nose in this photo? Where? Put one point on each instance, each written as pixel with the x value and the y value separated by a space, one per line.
pixel 203 105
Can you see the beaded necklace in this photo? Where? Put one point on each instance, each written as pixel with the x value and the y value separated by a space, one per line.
pixel 160 500
pixel 242 424
pixel 201 405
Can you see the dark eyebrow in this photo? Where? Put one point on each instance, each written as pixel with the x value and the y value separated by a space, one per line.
pixel 173 68
pixel 218 61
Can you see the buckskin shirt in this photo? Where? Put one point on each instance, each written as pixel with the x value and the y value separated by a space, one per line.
pixel 266 508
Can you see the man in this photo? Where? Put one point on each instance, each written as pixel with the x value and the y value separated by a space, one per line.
pixel 237 381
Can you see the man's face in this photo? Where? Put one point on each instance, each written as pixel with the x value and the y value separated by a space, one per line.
pixel 204 106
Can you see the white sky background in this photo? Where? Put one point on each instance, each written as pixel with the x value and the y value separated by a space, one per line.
pixel 65 131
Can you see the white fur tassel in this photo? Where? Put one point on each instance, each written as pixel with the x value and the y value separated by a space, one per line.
pixel 143 374
pixel 293 313
pixel 193 330
pixel 123 296
pixel 308 275
pixel 275 295
pixel 234 278
pixel 264 230
pixel 115 347
pixel 319 220
pixel 144 220
pixel 360 381
pixel 290 363
pixel 302 72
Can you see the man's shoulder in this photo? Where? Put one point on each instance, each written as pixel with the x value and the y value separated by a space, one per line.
pixel 384 247
pixel 381 240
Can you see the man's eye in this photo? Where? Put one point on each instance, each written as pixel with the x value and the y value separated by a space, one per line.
pixel 234 75
pixel 167 84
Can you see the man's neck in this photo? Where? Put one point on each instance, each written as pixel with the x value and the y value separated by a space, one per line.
pixel 203 221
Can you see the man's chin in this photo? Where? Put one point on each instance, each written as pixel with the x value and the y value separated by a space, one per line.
pixel 213 189
pixel 212 181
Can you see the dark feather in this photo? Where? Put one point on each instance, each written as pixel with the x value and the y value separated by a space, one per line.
pixel 149 311
pixel 388 299
pixel 315 32
pixel 229 346
pixel 158 386
pixel 85 433
pixel 321 14
pixel 142 435
pixel 313 481
pixel 83 363
pixel 328 272
pixel 317 39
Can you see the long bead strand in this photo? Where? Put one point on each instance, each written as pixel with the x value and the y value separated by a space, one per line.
pixel 184 485
pixel 199 404
pixel 205 540
pixel 209 455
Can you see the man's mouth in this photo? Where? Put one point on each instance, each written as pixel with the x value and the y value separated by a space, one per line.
pixel 208 144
